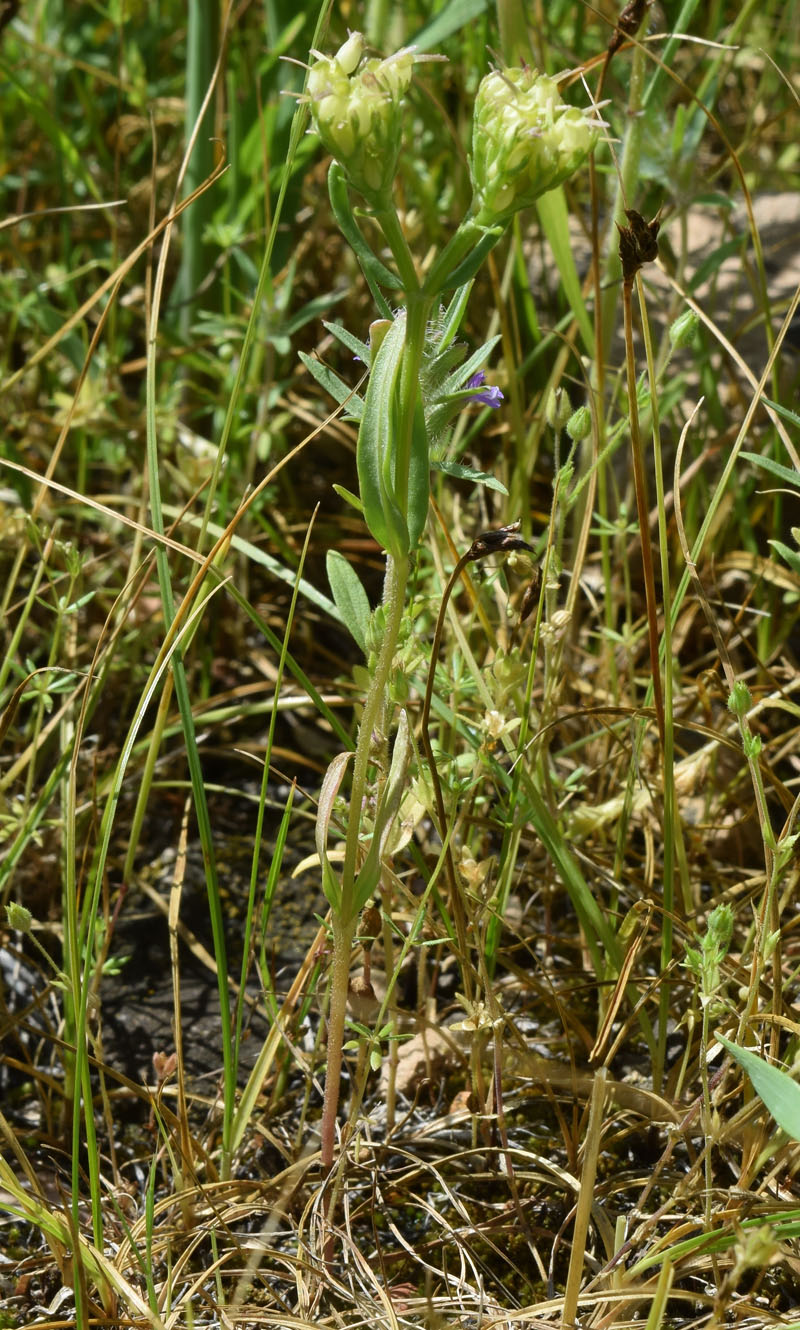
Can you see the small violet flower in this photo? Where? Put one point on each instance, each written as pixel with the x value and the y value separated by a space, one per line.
pixel 490 396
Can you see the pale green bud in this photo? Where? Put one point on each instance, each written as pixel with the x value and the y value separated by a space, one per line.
pixel 579 425
pixel 356 110
pixel 19 917
pixel 558 409
pixel 525 140
pixel 719 929
pixel 740 699
pixel 683 330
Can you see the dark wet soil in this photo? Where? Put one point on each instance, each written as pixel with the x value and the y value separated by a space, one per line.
pixel 137 1002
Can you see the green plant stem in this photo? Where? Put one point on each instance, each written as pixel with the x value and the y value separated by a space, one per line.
pixel 202 37
pixel 460 246
pixel 395 237
pixel 456 904
pixel 344 923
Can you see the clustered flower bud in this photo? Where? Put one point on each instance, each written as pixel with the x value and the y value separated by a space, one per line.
pixel 525 141
pixel 356 110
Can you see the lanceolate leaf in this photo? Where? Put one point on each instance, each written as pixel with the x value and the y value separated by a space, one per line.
pixel 792 557
pixel 775 1088
pixel 419 477
pixel 349 497
pixel 354 344
pixel 461 472
pixel 327 796
pixel 454 314
pixel 469 367
pixel 552 210
pixel 376 273
pixel 369 876
pixel 375 443
pixel 350 596
pixel 776 469
pixel 333 385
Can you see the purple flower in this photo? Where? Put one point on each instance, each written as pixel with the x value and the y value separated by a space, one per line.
pixel 491 397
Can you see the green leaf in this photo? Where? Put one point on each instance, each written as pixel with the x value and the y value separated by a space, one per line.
pixel 349 497
pixel 332 384
pixel 714 262
pixel 454 314
pixel 327 797
pixel 466 371
pixel 783 411
pixel 552 210
pixel 388 808
pixel 774 1087
pixel 419 477
pixel 375 451
pixel 791 557
pixel 354 344
pixel 454 17
pixel 376 273
pixel 350 596
pixel 461 472
pixel 776 469
pixel 472 263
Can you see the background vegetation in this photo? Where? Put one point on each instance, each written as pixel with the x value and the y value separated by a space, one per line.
pixel 573 1143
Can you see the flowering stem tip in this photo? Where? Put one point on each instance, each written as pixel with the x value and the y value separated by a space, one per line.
pixel 525 141
pixel 356 108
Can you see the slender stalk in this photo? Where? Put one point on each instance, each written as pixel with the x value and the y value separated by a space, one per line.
pixel 673 837
pixel 643 510
pixel 344 921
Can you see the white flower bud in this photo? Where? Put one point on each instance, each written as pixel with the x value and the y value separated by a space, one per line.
pixel 525 141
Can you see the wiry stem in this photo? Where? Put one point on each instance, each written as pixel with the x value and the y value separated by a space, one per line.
pixel 643 511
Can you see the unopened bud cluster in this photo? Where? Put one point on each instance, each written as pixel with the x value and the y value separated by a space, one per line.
pixel 356 109
pixel 525 141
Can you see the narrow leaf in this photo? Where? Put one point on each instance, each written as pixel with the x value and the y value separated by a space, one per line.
pixel 354 344
pixel 454 314
pixel 774 1087
pixel 552 210
pixel 419 477
pixel 789 556
pixel 350 596
pixel 461 472
pixel 330 788
pixel 783 411
pixel 376 273
pixel 332 384
pixel 776 469
pixel 349 497
pixel 466 371
pixel 474 261
pixel 375 444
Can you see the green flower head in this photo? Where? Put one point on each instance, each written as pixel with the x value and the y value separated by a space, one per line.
pixel 525 140
pixel 356 108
